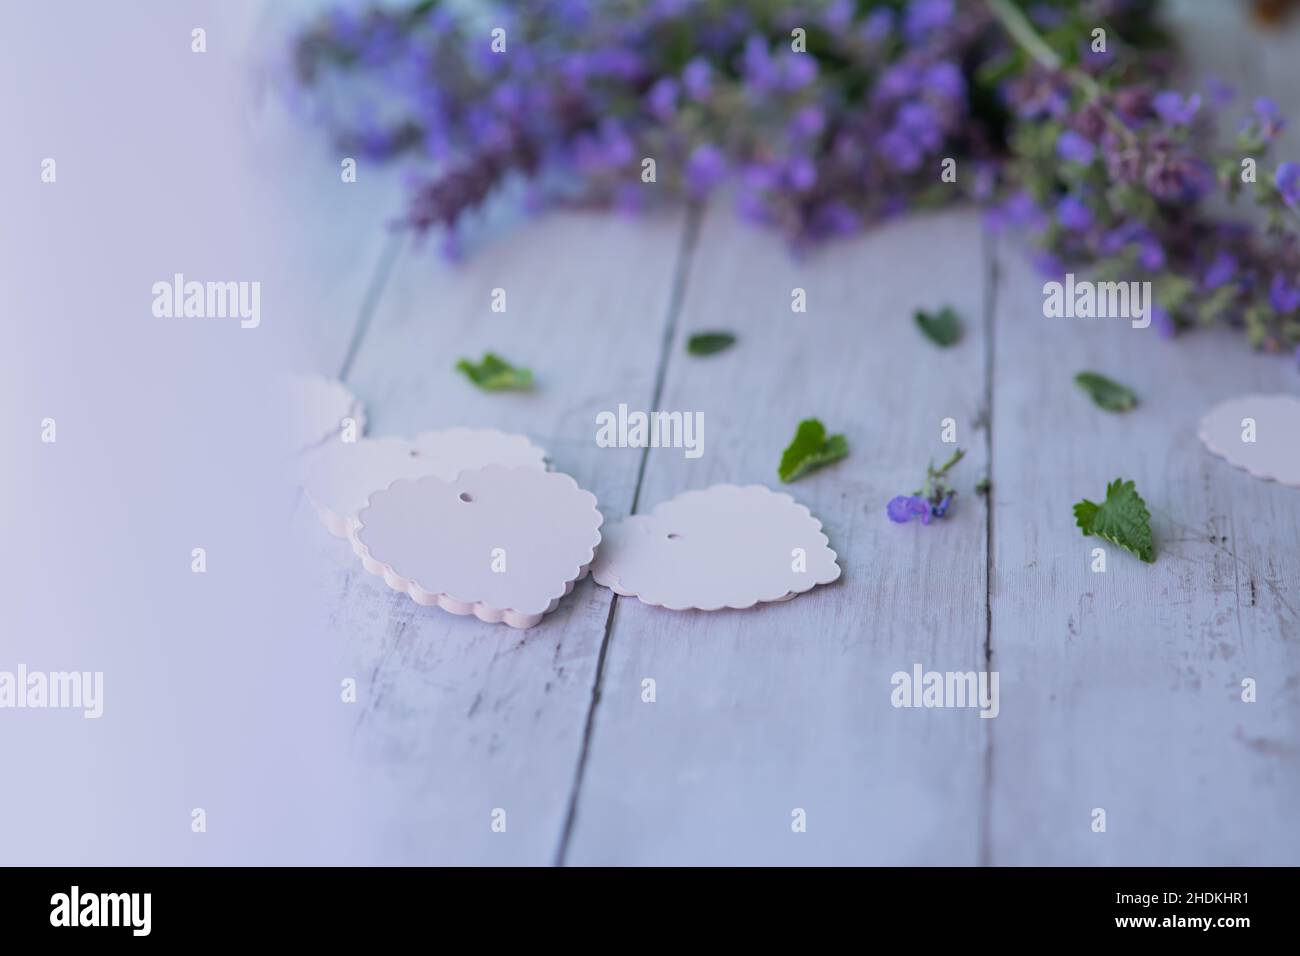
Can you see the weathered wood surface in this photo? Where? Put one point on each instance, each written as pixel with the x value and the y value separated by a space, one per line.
pixel 1119 690
pixel 466 717
pixel 788 705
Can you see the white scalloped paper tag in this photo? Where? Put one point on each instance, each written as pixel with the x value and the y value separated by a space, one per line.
pixel 316 408
pixel 345 474
pixel 724 546
pixel 1258 433
pixel 503 544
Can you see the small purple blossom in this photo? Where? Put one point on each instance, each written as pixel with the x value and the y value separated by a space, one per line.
pixel 1074 148
pixel 1220 93
pixel 698 79
pixel 1174 109
pixel 924 17
pixel 801 173
pixel 1287 180
pixel 1221 270
pixel 706 167
pixel 945 79
pixel 1073 214
pixel 1284 296
pixel 1016 211
pixel 1269 118
pixel 808 123
pixel 904 508
pixel 662 98
pixel 878 25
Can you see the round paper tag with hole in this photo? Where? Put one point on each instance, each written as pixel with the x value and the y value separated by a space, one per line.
pixel 725 546
pixel 1260 433
pixel 504 544
pixel 344 475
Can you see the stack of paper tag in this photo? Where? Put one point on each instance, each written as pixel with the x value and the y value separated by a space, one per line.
pixel 471 520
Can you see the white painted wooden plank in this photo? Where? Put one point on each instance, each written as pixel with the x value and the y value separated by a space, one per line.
pixel 332 271
pixel 458 717
pixel 1122 690
pixel 787 706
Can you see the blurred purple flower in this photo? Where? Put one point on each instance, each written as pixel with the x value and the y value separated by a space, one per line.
pixel 1017 210
pixel 878 25
pixel 706 167
pixel 1282 295
pixel 946 79
pixel 698 79
pixel 1048 265
pixel 1074 148
pixel 798 70
pixel 1150 254
pixel 662 98
pixel 921 122
pixel 1221 271
pixel 1163 322
pixel 898 80
pixel 1287 180
pixel 838 15
pixel 808 123
pixel 1073 214
pixel 756 63
pixel 1269 118
pixel 1219 92
pixel 801 173
pixel 923 17
pixel 1174 109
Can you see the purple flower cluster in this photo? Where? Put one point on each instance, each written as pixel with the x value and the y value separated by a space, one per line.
pixel 825 115
pixel 1120 178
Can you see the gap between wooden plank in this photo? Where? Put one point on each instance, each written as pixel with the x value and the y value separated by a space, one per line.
pixel 690 233
pixel 991 278
pixel 374 290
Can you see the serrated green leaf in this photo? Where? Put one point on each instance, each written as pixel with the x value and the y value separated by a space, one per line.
pixel 495 374
pixel 1122 519
pixel 709 343
pixel 811 448
pixel 943 328
pixel 1107 393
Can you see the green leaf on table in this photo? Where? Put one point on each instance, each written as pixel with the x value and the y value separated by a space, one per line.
pixel 495 374
pixel 943 328
pixel 709 343
pixel 1108 394
pixel 1122 519
pixel 811 448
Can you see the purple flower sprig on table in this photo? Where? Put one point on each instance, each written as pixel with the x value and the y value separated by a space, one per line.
pixel 933 500
pixel 1091 151
pixel 1113 172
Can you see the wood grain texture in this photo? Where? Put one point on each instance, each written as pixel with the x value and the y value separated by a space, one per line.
pixel 332 273
pixel 786 706
pixel 1118 690
pixel 1122 690
pixel 459 717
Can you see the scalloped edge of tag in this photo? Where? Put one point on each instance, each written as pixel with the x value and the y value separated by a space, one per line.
pixel 614 583
pixel 480 609
pixel 340 525
pixel 1219 452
